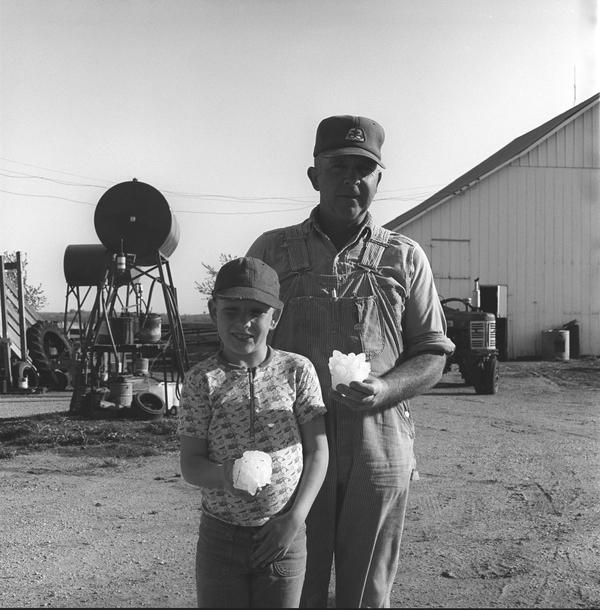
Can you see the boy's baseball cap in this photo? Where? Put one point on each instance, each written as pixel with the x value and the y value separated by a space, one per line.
pixel 248 278
pixel 349 135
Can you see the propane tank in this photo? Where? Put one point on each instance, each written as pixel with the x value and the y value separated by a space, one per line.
pixel 476 295
pixel 135 218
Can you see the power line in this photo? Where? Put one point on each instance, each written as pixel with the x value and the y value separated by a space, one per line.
pixel 23 176
pixel 46 197
pixel 293 198
pixel 208 212
pixel 240 198
pixel 409 194
pixel 48 169
pixel 202 196
pixel 237 213
pixel 214 212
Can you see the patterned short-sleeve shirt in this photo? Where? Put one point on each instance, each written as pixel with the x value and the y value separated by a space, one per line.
pixel 236 409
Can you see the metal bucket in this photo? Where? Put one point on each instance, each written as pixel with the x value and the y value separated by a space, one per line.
pixel 141 366
pixel 123 329
pixel 555 344
pixel 573 328
pixel 121 393
pixel 150 328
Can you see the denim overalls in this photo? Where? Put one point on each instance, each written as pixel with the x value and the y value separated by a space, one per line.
pixel 359 513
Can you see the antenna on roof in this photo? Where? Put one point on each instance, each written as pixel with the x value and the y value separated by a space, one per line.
pixel 574 86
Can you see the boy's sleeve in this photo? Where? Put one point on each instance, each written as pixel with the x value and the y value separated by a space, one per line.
pixel 309 398
pixel 194 409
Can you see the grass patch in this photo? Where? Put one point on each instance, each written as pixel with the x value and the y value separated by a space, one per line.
pixel 71 435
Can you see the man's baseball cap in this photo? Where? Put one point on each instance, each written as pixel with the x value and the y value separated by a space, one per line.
pixel 248 278
pixel 349 135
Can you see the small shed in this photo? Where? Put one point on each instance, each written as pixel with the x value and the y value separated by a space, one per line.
pixel 526 223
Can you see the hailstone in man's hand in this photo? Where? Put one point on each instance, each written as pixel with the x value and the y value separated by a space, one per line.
pixel 345 368
pixel 252 471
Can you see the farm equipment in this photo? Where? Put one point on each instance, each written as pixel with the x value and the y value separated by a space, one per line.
pixel 35 355
pixel 473 331
pixel 129 361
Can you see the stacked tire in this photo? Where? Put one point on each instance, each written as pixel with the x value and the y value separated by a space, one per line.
pixel 147 405
pixel 48 346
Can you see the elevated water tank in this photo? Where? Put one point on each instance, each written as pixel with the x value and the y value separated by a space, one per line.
pixel 138 216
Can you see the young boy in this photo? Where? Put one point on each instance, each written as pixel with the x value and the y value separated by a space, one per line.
pixel 251 548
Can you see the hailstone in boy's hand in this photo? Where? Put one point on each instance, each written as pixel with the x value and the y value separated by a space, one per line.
pixel 345 368
pixel 252 471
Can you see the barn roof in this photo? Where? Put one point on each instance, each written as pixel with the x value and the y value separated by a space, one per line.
pixel 497 160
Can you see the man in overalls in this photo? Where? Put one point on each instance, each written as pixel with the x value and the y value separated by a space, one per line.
pixel 350 285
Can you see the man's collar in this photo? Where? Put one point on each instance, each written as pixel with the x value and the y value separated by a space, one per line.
pixel 364 229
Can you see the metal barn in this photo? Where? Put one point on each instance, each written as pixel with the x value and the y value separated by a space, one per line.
pixel 526 222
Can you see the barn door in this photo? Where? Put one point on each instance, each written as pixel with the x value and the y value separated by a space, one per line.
pixel 451 265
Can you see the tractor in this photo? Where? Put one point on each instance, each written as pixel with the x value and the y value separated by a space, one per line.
pixel 473 331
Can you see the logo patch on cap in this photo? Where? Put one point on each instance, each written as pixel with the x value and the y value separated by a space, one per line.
pixel 355 134
pixel 346 134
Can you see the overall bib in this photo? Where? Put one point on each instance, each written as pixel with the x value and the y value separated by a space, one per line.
pixel 358 515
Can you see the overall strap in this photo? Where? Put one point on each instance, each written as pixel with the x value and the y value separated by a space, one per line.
pixel 374 248
pixel 295 242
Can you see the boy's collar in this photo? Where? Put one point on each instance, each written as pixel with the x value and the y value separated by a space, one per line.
pixel 242 367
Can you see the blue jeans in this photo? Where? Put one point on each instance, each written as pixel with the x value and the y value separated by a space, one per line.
pixel 225 577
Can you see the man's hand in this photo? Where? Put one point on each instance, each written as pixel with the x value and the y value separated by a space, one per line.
pixel 366 395
pixel 411 377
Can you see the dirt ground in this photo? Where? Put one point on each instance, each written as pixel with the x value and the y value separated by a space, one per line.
pixel 506 513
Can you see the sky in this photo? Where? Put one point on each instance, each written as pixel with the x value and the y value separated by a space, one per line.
pixel 215 103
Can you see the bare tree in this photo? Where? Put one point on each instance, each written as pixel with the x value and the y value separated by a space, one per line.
pixel 205 286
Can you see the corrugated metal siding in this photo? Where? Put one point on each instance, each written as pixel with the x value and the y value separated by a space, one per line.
pixel 573 146
pixel 535 226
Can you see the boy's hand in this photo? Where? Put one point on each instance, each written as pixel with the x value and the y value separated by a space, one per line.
pixel 228 481
pixel 273 540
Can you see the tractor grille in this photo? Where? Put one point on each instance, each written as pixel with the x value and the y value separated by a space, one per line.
pixel 483 335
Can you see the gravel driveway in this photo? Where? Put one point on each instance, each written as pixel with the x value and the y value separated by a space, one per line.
pixel 506 512
pixel 24 405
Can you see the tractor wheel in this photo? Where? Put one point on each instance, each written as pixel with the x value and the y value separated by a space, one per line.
pixel 487 382
pixel 49 349
pixel 466 372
